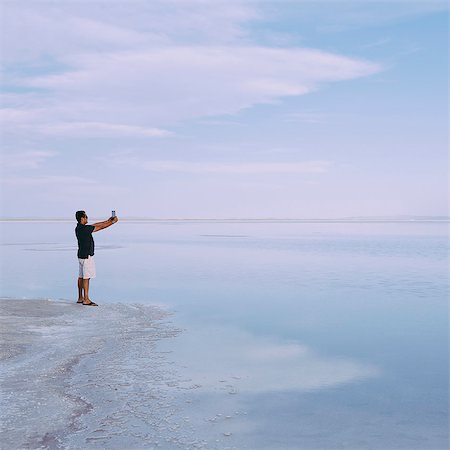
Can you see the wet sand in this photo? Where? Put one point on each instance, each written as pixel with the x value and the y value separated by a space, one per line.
pixel 89 377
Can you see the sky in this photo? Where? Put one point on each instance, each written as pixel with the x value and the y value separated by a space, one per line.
pixel 224 109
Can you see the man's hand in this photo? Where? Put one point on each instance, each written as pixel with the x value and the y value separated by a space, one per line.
pixel 107 223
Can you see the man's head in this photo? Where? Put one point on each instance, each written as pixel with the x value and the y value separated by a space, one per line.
pixel 81 217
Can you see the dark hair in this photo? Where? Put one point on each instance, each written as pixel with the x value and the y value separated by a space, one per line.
pixel 79 215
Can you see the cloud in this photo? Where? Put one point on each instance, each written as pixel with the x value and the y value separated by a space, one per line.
pixel 305 117
pixel 240 168
pixel 30 159
pixel 63 180
pixel 17 115
pixel 60 28
pixel 75 68
pixel 86 129
pixel 58 188
pixel 377 43
pixel 314 167
pixel 334 16
pixel 163 86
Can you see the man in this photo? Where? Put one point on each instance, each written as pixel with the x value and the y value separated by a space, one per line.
pixel 86 253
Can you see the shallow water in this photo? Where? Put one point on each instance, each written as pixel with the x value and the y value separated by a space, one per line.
pixel 296 335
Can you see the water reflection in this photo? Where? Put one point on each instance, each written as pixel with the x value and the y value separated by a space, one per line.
pixel 231 359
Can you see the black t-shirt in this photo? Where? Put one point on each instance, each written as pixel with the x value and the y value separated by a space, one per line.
pixel 85 240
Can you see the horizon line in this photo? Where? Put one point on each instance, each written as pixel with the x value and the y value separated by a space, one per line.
pixel 387 218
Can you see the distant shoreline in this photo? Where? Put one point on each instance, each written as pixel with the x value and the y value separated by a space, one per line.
pixel 412 219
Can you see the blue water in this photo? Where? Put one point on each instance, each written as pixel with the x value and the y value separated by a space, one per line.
pixel 316 336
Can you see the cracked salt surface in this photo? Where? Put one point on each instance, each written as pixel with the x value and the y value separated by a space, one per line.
pixel 77 378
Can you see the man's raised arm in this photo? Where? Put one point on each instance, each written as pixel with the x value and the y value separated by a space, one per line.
pixel 105 224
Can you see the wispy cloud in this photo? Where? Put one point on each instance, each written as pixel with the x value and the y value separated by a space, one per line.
pixel 48 187
pixel 84 26
pixel 305 117
pixel 30 159
pixel 135 74
pixel 86 129
pixel 337 15
pixel 18 114
pixel 167 85
pixel 377 43
pixel 62 180
pixel 311 167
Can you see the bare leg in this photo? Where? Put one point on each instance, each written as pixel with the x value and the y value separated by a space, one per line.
pixel 86 299
pixel 86 290
pixel 80 290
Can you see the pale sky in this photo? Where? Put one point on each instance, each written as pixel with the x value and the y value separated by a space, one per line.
pixel 221 109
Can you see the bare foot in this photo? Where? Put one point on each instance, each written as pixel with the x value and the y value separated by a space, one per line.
pixel 88 302
pixel 80 300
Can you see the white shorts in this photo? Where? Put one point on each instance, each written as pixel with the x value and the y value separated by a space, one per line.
pixel 87 267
